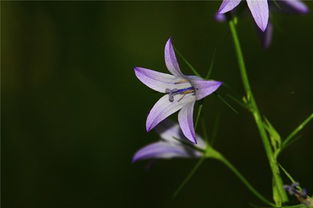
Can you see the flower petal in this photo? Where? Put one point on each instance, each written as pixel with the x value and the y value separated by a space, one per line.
pixel 185 119
pixel 295 6
pixel 259 10
pixel 164 108
pixel 165 150
pixel 158 81
pixel 171 132
pixel 204 87
pixel 228 5
pixel 171 60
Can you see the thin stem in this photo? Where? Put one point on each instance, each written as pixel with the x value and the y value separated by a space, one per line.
pixel 187 63
pixel 257 116
pixel 191 173
pixel 198 115
pixel 245 181
pixel 296 131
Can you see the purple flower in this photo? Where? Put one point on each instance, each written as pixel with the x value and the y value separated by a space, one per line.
pixel 181 93
pixel 260 9
pixel 285 6
pixel 172 145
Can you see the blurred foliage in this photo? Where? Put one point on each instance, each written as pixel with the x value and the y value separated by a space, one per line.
pixel 73 113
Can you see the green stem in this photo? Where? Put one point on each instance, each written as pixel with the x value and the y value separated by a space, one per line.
pixel 192 172
pixel 245 181
pixel 257 116
pixel 296 131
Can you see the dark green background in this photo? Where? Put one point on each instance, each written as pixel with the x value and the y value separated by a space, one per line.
pixel 73 112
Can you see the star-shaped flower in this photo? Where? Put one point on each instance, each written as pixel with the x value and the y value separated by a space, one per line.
pixel 283 6
pixel 173 144
pixel 260 9
pixel 181 93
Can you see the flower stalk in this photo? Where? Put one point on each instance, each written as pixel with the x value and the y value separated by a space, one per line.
pixel 245 181
pixel 281 195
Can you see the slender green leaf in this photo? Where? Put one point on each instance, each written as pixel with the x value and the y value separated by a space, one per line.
pixel 198 115
pixel 236 100
pixel 189 176
pixel 274 135
pixel 207 76
pixel 292 135
pixel 245 181
pixel 187 63
pixel 276 195
pixel 287 174
pixel 226 103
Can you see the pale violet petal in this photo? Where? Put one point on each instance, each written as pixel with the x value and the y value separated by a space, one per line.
pixel 171 132
pixel 164 108
pixel 171 60
pixel 165 150
pixel 185 119
pixel 204 88
pixel 228 5
pixel 157 81
pixel 260 12
pixel 295 6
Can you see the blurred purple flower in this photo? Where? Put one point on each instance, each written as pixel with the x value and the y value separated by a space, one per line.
pixel 260 9
pixel 173 144
pixel 284 6
pixel 181 93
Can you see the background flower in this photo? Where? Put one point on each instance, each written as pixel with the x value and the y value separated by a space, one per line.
pixel 173 144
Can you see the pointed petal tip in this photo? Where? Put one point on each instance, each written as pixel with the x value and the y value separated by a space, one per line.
pixel 228 5
pixel 305 10
pixel 149 126
pixel 192 139
pixel 219 83
pixel 136 69
pixel 134 159
pixel 263 27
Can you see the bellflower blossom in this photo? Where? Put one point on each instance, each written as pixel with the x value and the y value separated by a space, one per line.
pixel 301 194
pixel 284 6
pixel 181 93
pixel 173 144
pixel 260 9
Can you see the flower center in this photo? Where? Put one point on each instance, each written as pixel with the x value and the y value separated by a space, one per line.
pixel 173 92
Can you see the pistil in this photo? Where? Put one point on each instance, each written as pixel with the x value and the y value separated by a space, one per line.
pixel 173 92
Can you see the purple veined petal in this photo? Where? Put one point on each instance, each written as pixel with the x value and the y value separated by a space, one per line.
pixel 295 6
pixel 171 132
pixel 185 119
pixel 260 12
pixel 205 87
pixel 159 81
pixel 165 150
pixel 266 36
pixel 171 60
pixel 164 108
pixel 228 5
